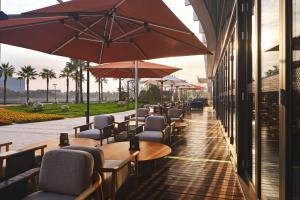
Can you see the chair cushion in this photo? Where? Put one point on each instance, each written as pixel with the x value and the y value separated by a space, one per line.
pixel 91 133
pixel 155 123
pixel 101 121
pixel 152 136
pixel 66 171
pixel 95 152
pixel 48 196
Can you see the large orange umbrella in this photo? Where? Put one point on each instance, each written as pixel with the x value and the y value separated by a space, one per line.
pixel 102 31
pixel 129 69
pixel 126 69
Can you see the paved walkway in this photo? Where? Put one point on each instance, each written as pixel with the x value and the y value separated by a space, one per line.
pixel 198 168
pixel 25 134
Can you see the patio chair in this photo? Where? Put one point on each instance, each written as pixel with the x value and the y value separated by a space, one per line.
pixel 17 169
pixel 114 173
pixel 175 114
pixel 121 130
pixel 103 128
pixel 155 130
pixel 142 114
pixel 67 174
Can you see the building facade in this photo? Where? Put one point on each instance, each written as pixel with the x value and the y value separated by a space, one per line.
pixel 14 84
pixel 256 89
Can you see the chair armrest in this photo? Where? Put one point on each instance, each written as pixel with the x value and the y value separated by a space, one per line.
pixel 89 191
pixel 78 127
pixel 8 154
pixel 6 145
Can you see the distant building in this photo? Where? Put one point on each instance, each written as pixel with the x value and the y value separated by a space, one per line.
pixel 14 84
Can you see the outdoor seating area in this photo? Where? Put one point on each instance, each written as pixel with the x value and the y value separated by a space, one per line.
pixel 101 170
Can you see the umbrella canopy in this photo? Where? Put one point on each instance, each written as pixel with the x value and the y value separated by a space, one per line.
pixel 295 41
pixel 102 31
pixel 167 80
pixel 127 70
pixel 192 87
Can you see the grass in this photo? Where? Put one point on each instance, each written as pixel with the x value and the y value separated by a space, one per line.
pixel 75 110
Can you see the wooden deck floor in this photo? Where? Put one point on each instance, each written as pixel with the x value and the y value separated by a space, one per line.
pixel 199 167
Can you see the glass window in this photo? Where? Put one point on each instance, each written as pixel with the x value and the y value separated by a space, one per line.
pixel 269 106
pixel 296 101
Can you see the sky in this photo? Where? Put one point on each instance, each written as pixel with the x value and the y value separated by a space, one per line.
pixel 192 66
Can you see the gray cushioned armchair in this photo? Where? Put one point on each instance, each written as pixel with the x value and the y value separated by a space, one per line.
pixel 175 114
pixel 67 174
pixel 155 130
pixel 114 173
pixel 142 114
pixel 101 128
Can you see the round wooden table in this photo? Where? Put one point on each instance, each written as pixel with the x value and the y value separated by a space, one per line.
pixel 148 151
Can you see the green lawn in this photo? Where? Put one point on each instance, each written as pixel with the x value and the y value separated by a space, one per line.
pixel 76 110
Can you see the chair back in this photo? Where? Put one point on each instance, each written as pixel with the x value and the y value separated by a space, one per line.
pixel 111 119
pixel 174 112
pixel 95 152
pixel 142 112
pixel 101 121
pixel 155 123
pixel 66 172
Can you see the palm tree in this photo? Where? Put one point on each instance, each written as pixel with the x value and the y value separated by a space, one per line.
pixel 119 88
pixel 47 74
pixel 28 73
pixel 67 73
pixel 6 70
pixel 100 82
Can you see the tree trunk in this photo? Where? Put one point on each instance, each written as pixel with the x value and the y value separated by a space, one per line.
pixel 80 84
pixel 27 88
pixel 47 100
pixel 4 95
pixel 76 87
pixel 67 99
pixel 99 89
pixel 120 88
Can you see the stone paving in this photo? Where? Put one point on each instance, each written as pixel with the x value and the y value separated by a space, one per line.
pixel 25 134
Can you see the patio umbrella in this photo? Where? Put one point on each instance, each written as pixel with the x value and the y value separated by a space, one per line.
pixel 102 31
pixel 167 80
pixel 136 69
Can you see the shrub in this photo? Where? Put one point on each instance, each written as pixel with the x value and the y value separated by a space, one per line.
pixel 65 108
pixel 37 107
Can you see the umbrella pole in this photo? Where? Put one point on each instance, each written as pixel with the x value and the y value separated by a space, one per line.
pixel 161 91
pixel 136 91
pixel 87 114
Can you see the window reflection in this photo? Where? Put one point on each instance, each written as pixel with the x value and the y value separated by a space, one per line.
pixel 269 108
pixel 296 100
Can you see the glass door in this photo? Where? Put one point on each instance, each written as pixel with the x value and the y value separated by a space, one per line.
pixel 269 100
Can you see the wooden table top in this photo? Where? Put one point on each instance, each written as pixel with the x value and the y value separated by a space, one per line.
pixel 54 143
pixel 179 124
pixel 148 151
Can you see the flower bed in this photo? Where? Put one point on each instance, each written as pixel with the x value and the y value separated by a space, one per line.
pixel 21 117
